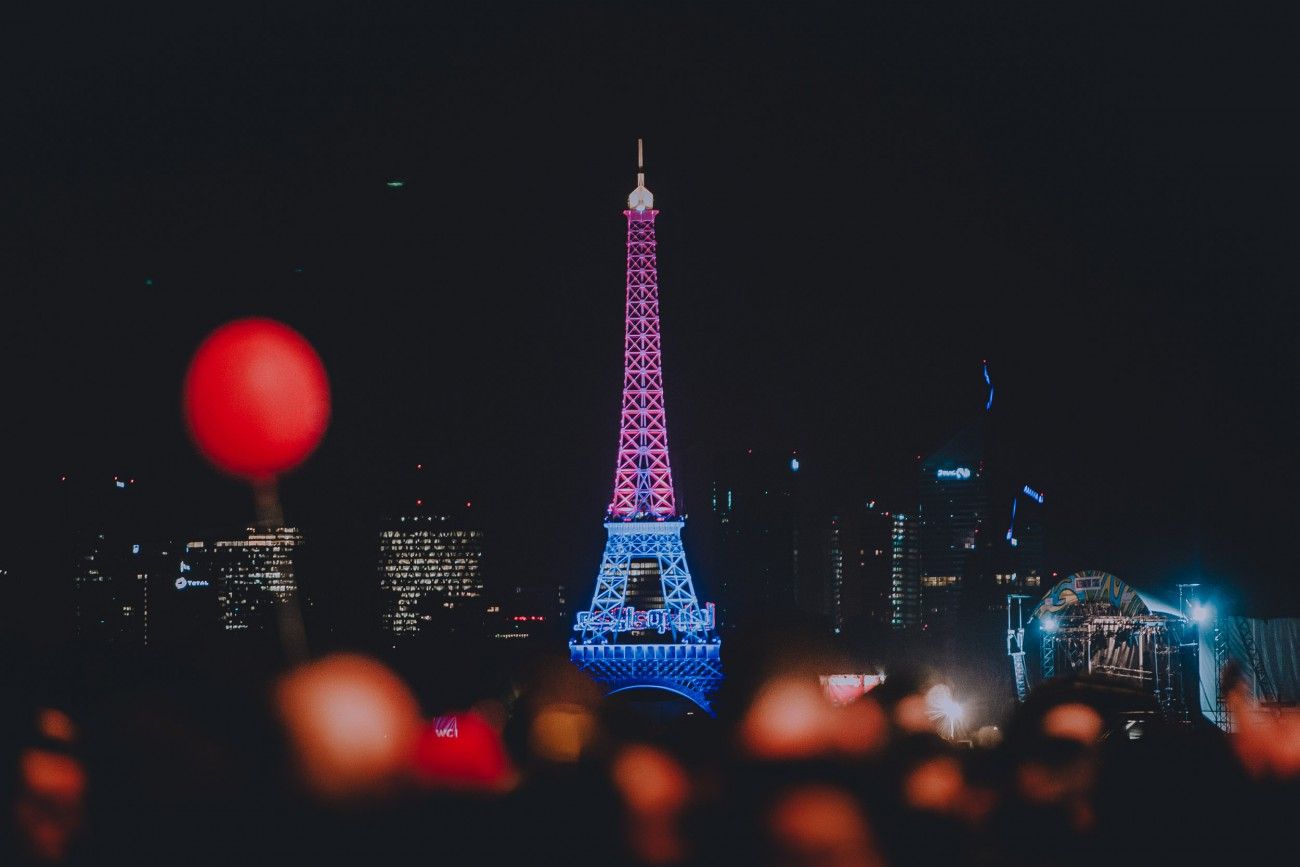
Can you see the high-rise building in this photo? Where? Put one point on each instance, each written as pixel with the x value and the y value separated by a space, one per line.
pixel 904 572
pixel 252 571
pixel 838 572
pixel 428 562
pixel 112 582
pixel 953 505
pixel 855 554
pixel 755 509
pixel 115 568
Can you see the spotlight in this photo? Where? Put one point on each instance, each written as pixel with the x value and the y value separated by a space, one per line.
pixel 1050 624
pixel 1201 614
pixel 942 707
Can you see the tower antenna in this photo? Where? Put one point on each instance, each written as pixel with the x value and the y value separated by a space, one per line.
pixel 641 198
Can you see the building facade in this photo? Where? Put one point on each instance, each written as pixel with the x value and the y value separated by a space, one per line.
pixel 252 572
pixel 116 571
pixel 953 506
pixel 113 579
pixel 904 572
pixel 429 566
pixel 755 511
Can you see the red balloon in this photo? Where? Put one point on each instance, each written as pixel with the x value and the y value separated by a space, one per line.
pixel 256 398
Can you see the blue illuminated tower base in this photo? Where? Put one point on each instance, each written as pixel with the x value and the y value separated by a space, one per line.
pixel 688 661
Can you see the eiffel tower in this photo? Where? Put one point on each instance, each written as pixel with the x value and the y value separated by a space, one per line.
pixel 645 628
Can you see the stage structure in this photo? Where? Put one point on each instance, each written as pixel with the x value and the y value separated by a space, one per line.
pixel 1094 623
pixel 645 628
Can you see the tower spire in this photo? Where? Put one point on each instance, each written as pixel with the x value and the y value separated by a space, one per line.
pixel 640 199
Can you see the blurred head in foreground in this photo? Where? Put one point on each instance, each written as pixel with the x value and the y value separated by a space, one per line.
pixel 352 726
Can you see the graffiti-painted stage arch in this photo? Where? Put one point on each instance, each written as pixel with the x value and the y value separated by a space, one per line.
pixel 1093 623
pixel 1091 588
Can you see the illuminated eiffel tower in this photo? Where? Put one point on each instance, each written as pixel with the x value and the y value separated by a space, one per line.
pixel 670 641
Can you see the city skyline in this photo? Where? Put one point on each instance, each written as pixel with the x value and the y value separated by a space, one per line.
pixel 339 351
pixel 885 246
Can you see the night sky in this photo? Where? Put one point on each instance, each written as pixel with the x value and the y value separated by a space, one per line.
pixel 857 208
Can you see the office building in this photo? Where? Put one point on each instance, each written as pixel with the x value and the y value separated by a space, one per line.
pixel 430 568
pixel 755 512
pixel 953 505
pixel 115 570
pixel 252 572
pixel 904 597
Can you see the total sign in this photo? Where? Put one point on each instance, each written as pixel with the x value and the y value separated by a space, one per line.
pixel 956 473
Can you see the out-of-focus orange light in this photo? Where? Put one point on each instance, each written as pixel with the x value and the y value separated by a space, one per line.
pixel 352 724
pixel 56 725
pixel 1074 722
pixel 651 781
pixel 560 732
pixel 789 718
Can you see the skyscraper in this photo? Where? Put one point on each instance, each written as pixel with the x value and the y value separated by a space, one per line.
pixel 904 572
pixel 953 500
pixel 755 510
pixel 427 562
pixel 838 572
pixel 113 564
pixel 855 559
pixel 872 571
pixel 111 585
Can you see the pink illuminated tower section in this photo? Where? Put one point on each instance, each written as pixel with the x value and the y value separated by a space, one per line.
pixel 643 479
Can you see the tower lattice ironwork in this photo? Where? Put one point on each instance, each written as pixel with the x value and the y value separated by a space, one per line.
pixel 672 645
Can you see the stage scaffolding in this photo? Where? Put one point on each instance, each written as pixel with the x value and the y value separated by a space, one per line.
pixel 1092 623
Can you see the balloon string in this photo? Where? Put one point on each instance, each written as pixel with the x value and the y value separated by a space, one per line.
pixel 293 632
pixel 289 620
pixel 266 504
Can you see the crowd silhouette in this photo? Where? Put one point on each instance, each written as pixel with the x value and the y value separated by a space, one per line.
pixel 341 760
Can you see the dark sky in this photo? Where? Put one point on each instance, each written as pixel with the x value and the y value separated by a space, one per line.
pixel 857 207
